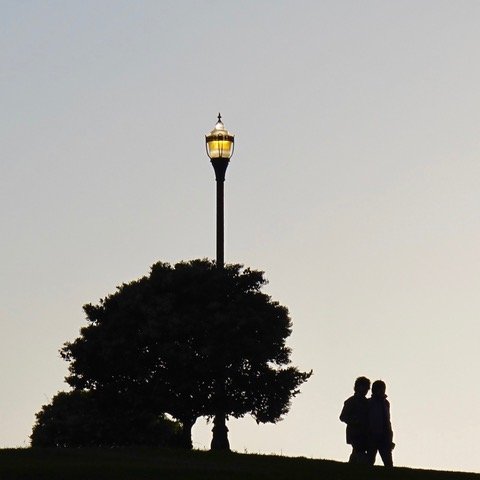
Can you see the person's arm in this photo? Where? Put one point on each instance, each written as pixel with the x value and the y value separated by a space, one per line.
pixel 346 414
pixel 388 422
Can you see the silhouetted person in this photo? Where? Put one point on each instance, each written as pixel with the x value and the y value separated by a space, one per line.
pixel 355 415
pixel 380 434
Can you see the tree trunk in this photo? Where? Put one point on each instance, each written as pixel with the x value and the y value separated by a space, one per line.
pixel 186 434
pixel 220 433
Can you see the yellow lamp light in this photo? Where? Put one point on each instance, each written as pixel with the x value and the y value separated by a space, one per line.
pixel 219 142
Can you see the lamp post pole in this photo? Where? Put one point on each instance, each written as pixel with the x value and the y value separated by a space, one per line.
pixel 220 145
pixel 220 166
pixel 220 149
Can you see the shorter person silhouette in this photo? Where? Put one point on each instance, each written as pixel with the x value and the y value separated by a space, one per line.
pixel 380 433
pixel 355 415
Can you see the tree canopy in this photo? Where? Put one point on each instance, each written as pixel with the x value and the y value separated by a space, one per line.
pixel 189 340
pixel 80 419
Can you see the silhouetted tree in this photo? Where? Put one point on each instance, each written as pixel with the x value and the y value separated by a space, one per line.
pixel 190 340
pixel 81 419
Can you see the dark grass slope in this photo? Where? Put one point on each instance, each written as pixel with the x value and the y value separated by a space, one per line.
pixel 139 464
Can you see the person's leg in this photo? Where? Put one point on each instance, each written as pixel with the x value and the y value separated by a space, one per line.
pixel 353 457
pixel 371 453
pixel 358 454
pixel 386 454
pixel 362 453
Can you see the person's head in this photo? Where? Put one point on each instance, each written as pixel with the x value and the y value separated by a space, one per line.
pixel 362 385
pixel 379 388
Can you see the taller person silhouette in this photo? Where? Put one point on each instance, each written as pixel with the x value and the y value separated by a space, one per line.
pixel 355 415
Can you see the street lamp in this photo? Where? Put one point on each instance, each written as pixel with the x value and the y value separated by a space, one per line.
pixel 220 143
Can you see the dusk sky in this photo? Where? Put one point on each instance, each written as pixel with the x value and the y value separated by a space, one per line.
pixel 354 185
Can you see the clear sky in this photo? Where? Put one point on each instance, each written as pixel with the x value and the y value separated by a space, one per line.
pixel 354 186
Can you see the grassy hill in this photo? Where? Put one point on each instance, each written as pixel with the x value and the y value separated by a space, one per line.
pixel 139 464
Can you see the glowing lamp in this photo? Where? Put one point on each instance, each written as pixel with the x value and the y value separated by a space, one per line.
pixel 219 142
